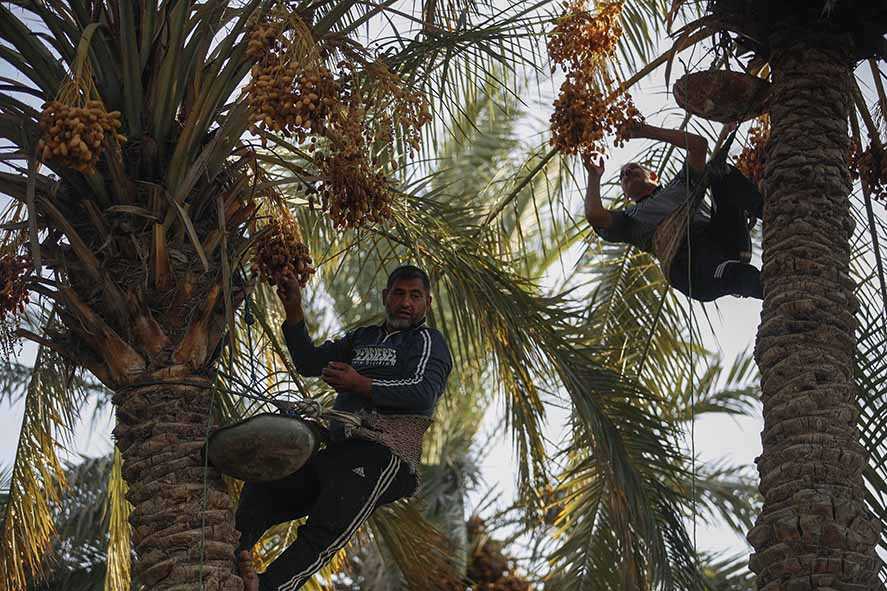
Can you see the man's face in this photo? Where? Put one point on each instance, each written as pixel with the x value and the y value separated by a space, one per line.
pixel 406 303
pixel 637 181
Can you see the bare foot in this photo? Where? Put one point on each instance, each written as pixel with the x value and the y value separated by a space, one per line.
pixel 248 571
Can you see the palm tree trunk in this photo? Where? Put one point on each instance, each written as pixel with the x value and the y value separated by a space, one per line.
pixel 814 531
pixel 182 519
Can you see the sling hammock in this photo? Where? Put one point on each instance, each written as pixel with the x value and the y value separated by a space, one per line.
pixel 672 231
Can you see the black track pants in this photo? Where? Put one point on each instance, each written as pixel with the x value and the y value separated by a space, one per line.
pixel 715 264
pixel 337 490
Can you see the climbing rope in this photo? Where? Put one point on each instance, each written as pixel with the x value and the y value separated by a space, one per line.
pixel 691 213
pixel 678 228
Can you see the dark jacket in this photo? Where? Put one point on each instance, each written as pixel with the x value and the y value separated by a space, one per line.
pixel 409 368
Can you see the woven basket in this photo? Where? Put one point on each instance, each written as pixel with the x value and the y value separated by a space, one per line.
pixel 670 233
pixel 721 95
pixel 261 448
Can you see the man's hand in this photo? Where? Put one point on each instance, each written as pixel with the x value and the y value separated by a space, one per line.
pixel 290 295
pixel 595 212
pixel 344 378
pixel 594 164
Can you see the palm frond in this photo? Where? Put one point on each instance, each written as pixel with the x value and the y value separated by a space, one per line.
pixel 117 510
pixel 727 573
pixel 421 552
pixel 38 477
pixel 871 368
pixel 728 493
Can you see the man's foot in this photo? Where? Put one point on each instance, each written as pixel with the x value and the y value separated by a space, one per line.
pixel 247 570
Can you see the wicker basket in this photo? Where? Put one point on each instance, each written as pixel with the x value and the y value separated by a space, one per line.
pixel 402 434
pixel 721 95
pixel 670 234
pixel 261 448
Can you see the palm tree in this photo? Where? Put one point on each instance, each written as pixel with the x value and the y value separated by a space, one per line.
pixel 815 529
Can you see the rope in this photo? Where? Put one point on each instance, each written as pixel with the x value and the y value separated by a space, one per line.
pixel 666 253
pixel 691 213
pixel 204 501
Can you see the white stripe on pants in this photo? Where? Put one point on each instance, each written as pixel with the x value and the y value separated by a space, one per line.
pixel 385 479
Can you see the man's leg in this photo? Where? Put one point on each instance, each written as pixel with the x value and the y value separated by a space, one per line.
pixel 355 477
pixel 735 197
pixel 264 504
pixel 704 272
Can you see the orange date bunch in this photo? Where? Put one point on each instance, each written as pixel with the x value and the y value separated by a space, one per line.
pixel 359 151
pixel 353 190
pixel 583 115
pixel 870 167
pixel 353 193
pixel 72 135
pixel 288 92
pixel 581 39
pixel 280 252
pixel 490 569
pixel 753 158
pixel 14 270
pixel 583 118
pixel 395 106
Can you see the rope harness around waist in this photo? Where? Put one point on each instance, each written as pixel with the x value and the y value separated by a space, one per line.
pixel 402 434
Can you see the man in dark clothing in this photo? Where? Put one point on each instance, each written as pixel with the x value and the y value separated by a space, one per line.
pixel 716 262
pixel 395 369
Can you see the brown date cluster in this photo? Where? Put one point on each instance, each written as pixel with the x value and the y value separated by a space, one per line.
pixel 354 187
pixel 395 104
pixel 280 253
pixel 353 191
pixel 72 136
pixel 352 116
pixel 581 38
pixel 752 161
pixel 285 95
pixel 14 270
pixel 489 569
pixel 870 167
pixel 583 115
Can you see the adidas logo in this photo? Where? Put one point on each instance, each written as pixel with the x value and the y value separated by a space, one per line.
pixel 359 471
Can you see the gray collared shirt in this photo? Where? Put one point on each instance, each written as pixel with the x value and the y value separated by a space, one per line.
pixel 637 223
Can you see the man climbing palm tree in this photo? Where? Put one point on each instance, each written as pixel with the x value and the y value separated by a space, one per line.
pixel 397 370
pixel 715 262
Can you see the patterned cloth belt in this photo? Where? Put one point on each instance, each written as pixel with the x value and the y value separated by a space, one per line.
pixel 402 434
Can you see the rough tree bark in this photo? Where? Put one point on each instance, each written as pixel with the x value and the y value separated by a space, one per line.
pixel 160 430
pixel 814 531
